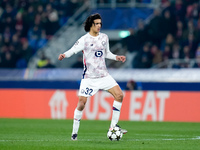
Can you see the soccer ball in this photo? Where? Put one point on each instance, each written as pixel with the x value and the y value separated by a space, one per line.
pixel 114 134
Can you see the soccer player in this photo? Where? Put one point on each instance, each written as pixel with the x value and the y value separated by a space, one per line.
pixel 95 48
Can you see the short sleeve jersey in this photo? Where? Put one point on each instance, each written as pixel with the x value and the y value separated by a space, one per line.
pixel 95 50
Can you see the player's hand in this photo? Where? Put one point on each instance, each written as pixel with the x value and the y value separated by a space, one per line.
pixel 121 58
pixel 61 56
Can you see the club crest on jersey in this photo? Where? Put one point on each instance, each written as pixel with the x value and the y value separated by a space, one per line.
pixel 103 43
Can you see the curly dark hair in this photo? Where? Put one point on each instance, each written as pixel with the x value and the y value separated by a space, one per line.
pixel 90 20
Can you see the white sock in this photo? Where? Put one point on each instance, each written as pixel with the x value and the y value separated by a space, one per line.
pixel 116 113
pixel 77 119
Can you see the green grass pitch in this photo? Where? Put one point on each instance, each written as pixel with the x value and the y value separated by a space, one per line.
pixel 47 134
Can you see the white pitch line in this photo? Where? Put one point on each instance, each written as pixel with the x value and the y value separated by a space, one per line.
pixel 162 135
pixel 174 139
pixel 169 139
pixel 28 140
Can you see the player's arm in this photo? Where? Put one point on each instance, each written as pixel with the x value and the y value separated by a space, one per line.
pixel 110 55
pixel 116 57
pixel 77 47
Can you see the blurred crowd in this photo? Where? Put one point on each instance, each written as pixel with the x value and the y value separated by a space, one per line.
pixel 26 26
pixel 172 33
pixel 123 1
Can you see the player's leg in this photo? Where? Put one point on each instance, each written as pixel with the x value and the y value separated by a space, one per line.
pixel 118 96
pixel 87 89
pixel 77 116
pixel 109 84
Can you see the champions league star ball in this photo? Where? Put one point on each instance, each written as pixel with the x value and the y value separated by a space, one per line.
pixel 114 134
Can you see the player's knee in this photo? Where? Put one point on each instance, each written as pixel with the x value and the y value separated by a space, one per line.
pixel 119 97
pixel 81 104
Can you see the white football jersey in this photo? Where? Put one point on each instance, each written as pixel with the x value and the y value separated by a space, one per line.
pixel 95 50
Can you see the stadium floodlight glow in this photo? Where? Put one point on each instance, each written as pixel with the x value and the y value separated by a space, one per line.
pixel 124 33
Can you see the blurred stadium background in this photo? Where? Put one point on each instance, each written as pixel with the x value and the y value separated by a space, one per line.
pixel 161 39
pixel 152 33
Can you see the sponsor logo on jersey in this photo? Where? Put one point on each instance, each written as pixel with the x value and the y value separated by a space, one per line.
pixel 98 53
